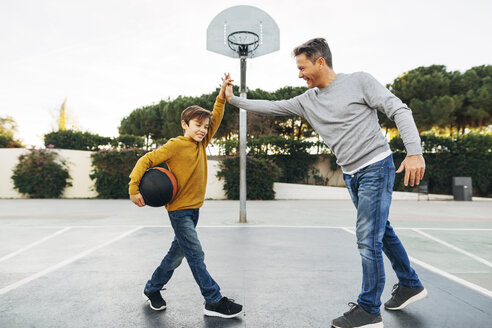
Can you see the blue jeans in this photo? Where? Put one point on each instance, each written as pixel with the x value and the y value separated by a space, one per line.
pixel 185 244
pixel 371 189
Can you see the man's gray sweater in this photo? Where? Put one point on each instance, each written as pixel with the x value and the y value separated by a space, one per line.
pixel 344 115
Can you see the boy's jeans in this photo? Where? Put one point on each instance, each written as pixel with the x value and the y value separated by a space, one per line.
pixel 185 244
pixel 371 189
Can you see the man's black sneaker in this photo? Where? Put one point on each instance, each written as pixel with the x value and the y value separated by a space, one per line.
pixel 358 317
pixel 155 300
pixel 402 296
pixel 225 308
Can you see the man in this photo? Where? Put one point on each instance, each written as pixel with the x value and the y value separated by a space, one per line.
pixel 342 109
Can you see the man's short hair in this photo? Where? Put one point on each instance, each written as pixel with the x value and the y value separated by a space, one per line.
pixel 195 112
pixel 314 49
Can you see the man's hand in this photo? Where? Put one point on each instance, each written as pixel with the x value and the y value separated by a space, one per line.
pixel 226 81
pixel 228 90
pixel 414 167
pixel 137 199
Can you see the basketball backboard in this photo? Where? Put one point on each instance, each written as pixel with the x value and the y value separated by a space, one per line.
pixel 243 31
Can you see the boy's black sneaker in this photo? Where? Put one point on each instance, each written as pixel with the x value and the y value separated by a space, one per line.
pixel 155 300
pixel 225 308
pixel 402 296
pixel 358 317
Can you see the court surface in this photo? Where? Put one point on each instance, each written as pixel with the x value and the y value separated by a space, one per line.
pixel 83 263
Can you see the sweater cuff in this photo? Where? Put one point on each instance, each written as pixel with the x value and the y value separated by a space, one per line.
pixel 133 189
pixel 413 148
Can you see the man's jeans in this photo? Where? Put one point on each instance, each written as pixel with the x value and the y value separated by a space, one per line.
pixel 185 244
pixel 371 189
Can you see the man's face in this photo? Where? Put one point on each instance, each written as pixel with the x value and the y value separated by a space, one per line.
pixel 307 71
pixel 195 129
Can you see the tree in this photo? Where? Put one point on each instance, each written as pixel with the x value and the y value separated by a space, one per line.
pixel 443 99
pixel 8 128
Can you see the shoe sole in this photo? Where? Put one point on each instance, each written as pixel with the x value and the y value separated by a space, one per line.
pixel 412 299
pixel 371 325
pixel 209 313
pixel 150 304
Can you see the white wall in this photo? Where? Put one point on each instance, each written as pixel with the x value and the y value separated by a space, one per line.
pixel 79 163
pixel 80 167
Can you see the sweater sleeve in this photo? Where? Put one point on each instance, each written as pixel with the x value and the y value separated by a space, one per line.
pixel 269 107
pixel 150 159
pixel 217 115
pixel 378 97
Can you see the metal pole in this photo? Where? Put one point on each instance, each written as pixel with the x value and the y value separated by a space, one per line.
pixel 242 146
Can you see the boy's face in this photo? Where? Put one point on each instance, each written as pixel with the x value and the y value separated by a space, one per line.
pixel 195 129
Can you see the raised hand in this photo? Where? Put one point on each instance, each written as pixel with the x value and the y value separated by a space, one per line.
pixel 226 81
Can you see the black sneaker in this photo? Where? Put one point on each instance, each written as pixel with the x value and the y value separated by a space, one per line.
pixel 358 317
pixel 225 308
pixel 402 296
pixel 155 300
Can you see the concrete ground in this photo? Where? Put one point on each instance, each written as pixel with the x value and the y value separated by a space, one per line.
pixel 83 263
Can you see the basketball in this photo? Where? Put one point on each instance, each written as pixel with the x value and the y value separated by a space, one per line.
pixel 158 187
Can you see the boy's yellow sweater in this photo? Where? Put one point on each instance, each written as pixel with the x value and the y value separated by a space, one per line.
pixel 187 160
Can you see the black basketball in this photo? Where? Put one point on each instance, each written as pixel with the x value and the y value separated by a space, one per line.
pixel 158 187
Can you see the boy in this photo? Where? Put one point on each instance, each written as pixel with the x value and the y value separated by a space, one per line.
pixel 186 157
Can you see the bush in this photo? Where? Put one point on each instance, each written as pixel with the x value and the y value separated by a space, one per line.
pixel 70 139
pixel 41 174
pixel 9 142
pixel 290 155
pixel 128 141
pixel 447 157
pixel 261 173
pixel 111 170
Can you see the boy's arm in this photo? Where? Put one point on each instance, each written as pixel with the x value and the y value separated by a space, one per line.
pixel 150 159
pixel 217 115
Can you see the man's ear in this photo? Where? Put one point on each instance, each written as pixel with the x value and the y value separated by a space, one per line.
pixel 321 61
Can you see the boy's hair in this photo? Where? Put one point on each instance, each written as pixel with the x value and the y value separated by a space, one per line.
pixel 314 49
pixel 195 112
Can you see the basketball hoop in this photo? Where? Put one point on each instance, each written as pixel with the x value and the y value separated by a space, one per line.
pixel 243 42
pixel 244 32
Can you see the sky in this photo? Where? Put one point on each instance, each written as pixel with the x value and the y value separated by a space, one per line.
pixel 109 57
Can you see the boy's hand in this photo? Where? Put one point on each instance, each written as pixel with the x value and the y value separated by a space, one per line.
pixel 226 81
pixel 137 199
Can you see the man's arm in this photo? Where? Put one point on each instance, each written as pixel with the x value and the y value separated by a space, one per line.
pixel 377 96
pixel 266 107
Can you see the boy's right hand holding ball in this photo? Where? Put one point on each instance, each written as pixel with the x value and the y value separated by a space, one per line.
pixel 137 199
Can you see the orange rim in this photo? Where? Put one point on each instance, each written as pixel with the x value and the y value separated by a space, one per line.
pixel 172 178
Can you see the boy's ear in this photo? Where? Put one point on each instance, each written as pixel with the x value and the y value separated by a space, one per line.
pixel 184 125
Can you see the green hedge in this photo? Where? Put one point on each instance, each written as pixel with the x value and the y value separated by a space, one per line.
pixel 446 157
pixel 41 174
pixel 70 139
pixel 261 173
pixel 290 155
pixel 9 142
pixel 111 169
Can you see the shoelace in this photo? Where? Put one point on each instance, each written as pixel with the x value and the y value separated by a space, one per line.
pixel 395 288
pixel 353 307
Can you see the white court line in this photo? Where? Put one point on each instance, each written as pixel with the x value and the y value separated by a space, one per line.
pixel 25 248
pixel 443 273
pixel 442 242
pixel 64 263
pixel 245 225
